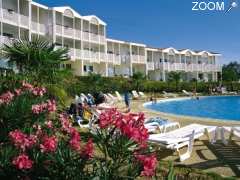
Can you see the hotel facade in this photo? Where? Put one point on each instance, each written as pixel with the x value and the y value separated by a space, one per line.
pixel 91 51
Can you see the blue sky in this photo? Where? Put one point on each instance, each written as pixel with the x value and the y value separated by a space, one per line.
pixel 164 23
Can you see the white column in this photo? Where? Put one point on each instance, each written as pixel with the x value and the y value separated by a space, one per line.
pixel 1 24
pixel 62 34
pixel 131 64
pixel 163 73
pixel 54 26
pixel 18 11
pixel 145 59
pixel 99 46
pixel 30 20
pixel 38 23
pixel 81 21
pixel 106 67
pixel 74 41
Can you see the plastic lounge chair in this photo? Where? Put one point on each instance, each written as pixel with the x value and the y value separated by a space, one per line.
pixel 135 94
pixel 234 131
pixel 162 124
pixel 142 94
pixel 187 93
pixel 112 97
pixel 179 138
pixel 165 94
pixel 118 96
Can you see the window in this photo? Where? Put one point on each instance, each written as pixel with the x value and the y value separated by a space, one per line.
pixel 68 66
pixel 160 60
pixel 90 68
pixel 85 68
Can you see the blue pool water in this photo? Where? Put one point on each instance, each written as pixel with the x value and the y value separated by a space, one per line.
pixel 216 107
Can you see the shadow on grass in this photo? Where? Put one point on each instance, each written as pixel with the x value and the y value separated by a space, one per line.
pixel 227 156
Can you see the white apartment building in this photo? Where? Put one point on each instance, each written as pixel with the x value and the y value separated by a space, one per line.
pixel 91 51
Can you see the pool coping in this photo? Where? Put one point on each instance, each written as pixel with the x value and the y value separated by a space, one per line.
pixel 186 116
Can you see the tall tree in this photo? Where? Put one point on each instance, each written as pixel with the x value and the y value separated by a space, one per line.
pixel 231 72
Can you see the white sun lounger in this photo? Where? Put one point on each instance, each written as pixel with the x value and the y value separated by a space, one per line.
pixel 153 126
pixel 181 137
pixel 118 96
pixel 135 94
pixel 112 97
pixel 234 131
pixel 142 94
pixel 165 94
pixel 187 93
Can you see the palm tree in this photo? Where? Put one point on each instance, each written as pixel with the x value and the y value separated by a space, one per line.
pixel 176 77
pixel 38 58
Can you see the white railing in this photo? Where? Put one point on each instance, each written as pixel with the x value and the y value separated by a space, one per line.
pixel 94 56
pixel 150 65
pixel 110 57
pixel 58 29
pixel 86 54
pixel 24 20
pixel 103 56
pixel 85 36
pixel 42 28
pixel 135 58
pixel 71 52
pixel 102 39
pixel 5 40
pixel 78 34
pixel 34 26
pixel 141 59
pixel 117 59
pixel 10 16
pixel 78 53
pixel 94 37
pixel 68 31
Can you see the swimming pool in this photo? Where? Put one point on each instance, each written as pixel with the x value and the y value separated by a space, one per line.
pixel 214 107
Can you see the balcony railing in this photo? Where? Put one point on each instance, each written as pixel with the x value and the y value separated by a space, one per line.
pixel 24 20
pixel 78 53
pixel 5 40
pixel 117 59
pixel 150 65
pixel 86 36
pixel 34 26
pixel 68 31
pixel 58 29
pixel 110 57
pixel 10 16
pixel 78 34
pixel 94 37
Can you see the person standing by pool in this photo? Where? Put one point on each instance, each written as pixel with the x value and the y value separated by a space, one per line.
pixel 127 96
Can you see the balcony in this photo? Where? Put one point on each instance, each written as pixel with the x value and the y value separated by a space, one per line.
pixel 78 34
pixel 10 16
pixel 42 28
pixel 110 57
pixel 24 21
pixel 78 53
pixel 103 56
pixel 5 40
pixel 150 65
pixel 34 26
pixel 68 31
pixel 86 36
pixel 117 59
pixel 94 37
pixel 95 56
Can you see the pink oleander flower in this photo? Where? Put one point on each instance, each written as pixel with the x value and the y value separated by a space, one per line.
pixel 88 149
pixel 49 124
pixel 27 86
pixel 39 91
pixel 6 98
pixel 18 92
pixel 66 124
pixel 75 139
pixel 51 106
pixel 21 140
pixel 49 144
pixel 149 163
pixel 22 162
pixel 38 108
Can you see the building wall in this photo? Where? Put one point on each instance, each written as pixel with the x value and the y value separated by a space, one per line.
pixel 86 38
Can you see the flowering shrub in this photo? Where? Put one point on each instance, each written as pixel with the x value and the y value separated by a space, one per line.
pixel 38 143
pixel 123 141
